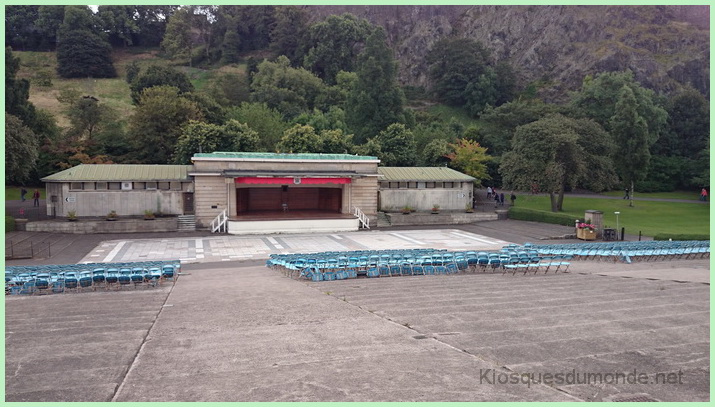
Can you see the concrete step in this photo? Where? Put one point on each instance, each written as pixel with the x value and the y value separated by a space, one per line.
pixel 383 220
pixel 186 223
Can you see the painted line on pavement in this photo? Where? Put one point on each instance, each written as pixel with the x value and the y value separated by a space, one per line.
pixel 476 238
pixel 114 251
pixel 409 239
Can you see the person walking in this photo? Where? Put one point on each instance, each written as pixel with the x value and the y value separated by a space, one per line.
pixel 513 198
pixel 489 192
pixel 501 199
pixel 704 195
pixel 36 198
pixel 496 197
pixel 628 194
pixel 23 192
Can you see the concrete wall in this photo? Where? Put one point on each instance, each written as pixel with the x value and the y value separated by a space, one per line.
pixel 103 226
pixel 449 199
pixel 455 218
pixel 210 198
pixel 100 203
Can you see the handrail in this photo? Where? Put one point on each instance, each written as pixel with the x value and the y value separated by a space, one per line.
pixel 220 223
pixel 364 220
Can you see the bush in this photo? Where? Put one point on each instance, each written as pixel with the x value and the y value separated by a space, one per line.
pixel 9 224
pixel 541 216
pixel 667 236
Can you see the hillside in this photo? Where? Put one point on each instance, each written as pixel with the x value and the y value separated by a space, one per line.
pixel 665 46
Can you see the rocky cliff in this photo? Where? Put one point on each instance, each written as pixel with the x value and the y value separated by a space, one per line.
pixel 555 46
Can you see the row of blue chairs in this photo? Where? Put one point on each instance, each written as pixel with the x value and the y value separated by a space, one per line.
pixel 107 278
pixel 629 251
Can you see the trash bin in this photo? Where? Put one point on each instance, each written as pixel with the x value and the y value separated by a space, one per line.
pixel 609 234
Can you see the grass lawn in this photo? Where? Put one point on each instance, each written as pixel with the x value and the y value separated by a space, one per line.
pixel 648 217
pixel 13 193
pixel 692 195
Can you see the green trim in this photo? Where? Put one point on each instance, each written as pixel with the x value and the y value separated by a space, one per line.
pixel 284 156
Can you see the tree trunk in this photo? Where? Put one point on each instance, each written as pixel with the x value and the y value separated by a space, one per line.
pixel 560 203
pixel 554 202
pixel 630 196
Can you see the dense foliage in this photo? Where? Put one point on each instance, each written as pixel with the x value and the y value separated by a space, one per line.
pixel 276 78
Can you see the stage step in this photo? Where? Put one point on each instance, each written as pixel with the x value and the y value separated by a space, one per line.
pixel 382 220
pixel 187 223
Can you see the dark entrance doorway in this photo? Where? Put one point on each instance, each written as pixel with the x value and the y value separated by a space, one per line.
pixel 287 198
pixel 188 198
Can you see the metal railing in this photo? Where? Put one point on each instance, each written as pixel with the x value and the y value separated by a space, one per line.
pixel 220 223
pixel 364 220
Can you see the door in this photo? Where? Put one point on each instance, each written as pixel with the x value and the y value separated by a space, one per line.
pixel 188 203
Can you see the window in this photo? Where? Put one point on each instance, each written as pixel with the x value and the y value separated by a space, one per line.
pixel 412 185
pixel 77 186
pixel 403 185
pixel 88 186
pixel 449 184
pixel 115 186
pixel 101 186
pixel 439 184
pixel 429 184
pixel 421 185
pixel 164 186
pixel 150 185
pixel 176 185
pixel 140 185
pixel 384 184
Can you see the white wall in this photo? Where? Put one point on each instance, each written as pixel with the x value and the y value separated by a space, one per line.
pixel 392 200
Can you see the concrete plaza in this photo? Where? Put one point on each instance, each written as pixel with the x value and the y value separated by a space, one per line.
pixel 232 330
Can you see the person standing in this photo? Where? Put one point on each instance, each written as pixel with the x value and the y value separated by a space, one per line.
pixel 501 199
pixel 489 192
pixel 23 192
pixel 496 197
pixel 513 198
pixel 704 195
pixel 36 198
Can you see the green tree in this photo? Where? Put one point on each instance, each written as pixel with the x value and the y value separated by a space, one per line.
pixel 17 91
pixel 157 122
pixel 21 31
pixel 231 42
pixel 376 101
pixel 119 23
pixel 435 153
pixel 21 146
pixel 81 53
pixel 462 74
pixel 157 75
pixel 689 122
pixel 630 131
pixel 267 122
pixel 336 142
pixel 397 145
pixel 599 96
pixel 550 153
pixel 498 124
pixel 300 139
pixel 178 42
pixel 470 158
pixel 198 137
pixel 229 89
pixel 333 45
pixel 86 116
pixel 289 90
pixel 49 20
pixel 288 35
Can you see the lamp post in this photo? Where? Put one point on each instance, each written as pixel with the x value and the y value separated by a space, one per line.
pixel 617 229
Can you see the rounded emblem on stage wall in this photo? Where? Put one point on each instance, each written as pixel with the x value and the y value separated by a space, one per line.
pixel 296 181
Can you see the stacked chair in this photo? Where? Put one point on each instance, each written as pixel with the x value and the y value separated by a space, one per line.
pixel 57 279
pixel 630 251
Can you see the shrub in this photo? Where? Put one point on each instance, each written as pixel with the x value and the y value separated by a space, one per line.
pixel 9 224
pixel 667 236
pixel 541 216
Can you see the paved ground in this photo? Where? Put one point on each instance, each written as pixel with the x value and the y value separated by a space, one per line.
pixel 237 331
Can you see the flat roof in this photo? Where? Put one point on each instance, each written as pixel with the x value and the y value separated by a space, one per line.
pixel 122 172
pixel 422 174
pixel 252 156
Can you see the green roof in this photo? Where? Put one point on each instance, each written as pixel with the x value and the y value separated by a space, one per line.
pixel 284 156
pixel 422 174
pixel 122 172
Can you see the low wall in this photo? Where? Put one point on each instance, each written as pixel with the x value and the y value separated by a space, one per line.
pixel 442 218
pixel 83 226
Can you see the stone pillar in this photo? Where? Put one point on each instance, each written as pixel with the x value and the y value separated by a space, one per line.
pixel 595 218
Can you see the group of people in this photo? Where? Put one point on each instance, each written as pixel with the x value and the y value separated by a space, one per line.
pixel 499 197
pixel 35 196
